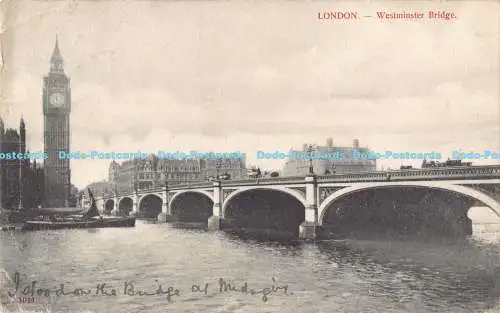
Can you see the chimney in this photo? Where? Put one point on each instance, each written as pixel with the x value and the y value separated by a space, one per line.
pixel 329 142
pixel 356 144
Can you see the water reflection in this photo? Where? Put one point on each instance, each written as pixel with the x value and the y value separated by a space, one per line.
pixel 331 276
pixel 462 276
pixel 148 220
pixel 455 278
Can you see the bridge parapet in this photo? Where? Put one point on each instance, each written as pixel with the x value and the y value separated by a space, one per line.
pixel 445 173
pixel 264 181
pixel 451 172
pixel 487 171
pixel 191 185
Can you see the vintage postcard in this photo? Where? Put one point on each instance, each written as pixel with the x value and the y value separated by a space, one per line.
pixel 249 156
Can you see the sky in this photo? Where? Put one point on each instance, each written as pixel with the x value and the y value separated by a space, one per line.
pixel 252 75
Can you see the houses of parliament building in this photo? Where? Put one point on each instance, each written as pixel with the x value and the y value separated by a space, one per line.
pixel 24 183
pixel 155 172
pixel 21 181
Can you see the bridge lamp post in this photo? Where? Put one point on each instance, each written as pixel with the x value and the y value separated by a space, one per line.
pixel 311 198
pixel 21 179
pixel 135 185
pixel 311 168
pixel 218 164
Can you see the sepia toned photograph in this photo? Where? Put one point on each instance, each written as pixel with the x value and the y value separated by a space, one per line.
pixel 249 156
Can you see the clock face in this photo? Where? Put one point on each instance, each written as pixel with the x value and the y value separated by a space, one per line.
pixel 57 99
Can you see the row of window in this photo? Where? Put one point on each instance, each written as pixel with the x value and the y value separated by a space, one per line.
pixel 57 139
pixel 12 175
pixel 172 169
pixel 168 175
pixel 179 169
pixel 58 66
pixel 12 188
pixel 55 85
pixel 336 162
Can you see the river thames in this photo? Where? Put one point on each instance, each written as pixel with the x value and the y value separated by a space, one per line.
pixel 159 268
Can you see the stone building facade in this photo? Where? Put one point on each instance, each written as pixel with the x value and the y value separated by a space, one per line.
pixel 299 166
pixel 153 172
pixel 20 179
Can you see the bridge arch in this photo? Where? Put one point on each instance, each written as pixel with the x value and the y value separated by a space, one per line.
pixel 191 206
pixel 297 195
pixel 149 205
pixel 125 205
pixel 203 192
pixel 267 212
pixel 462 190
pixel 109 205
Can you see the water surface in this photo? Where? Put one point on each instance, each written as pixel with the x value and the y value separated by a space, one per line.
pixel 347 276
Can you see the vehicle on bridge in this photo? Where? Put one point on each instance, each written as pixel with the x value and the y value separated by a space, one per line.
pixel 448 163
pixel 254 173
pixel 225 176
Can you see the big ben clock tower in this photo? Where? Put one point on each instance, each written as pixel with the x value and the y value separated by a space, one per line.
pixel 56 110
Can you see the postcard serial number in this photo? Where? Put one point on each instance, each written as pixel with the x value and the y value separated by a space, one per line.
pixel 26 299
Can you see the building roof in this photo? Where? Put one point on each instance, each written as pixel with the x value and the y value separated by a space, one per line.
pixel 56 54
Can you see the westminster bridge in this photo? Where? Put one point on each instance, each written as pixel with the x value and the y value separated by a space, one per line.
pixel 430 201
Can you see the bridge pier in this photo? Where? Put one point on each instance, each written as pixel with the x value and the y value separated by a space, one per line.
pixel 166 218
pixel 135 203
pixel 115 206
pixel 216 221
pixel 310 228
pixel 310 231
pixel 162 218
pixel 165 215
pixel 99 202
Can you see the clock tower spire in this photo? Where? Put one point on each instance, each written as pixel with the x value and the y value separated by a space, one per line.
pixel 56 62
pixel 56 111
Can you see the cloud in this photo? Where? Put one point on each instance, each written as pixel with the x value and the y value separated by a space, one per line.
pixel 183 76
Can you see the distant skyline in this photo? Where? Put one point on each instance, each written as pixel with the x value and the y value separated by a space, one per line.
pixel 238 76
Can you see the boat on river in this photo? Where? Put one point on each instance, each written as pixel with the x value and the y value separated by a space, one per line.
pixel 91 222
pixel 89 219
